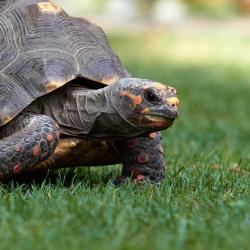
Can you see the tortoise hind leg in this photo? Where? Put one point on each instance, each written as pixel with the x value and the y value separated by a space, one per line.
pixel 142 157
pixel 30 139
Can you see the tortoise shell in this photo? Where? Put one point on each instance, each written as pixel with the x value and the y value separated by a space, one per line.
pixel 42 48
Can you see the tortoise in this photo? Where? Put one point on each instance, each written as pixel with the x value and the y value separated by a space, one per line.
pixel 67 101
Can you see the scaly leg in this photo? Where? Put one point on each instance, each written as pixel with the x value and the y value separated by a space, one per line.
pixel 26 141
pixel 142 157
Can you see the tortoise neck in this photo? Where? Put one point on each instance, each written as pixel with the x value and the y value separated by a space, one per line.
pixel 84 112
pixel 83 108
pixel 95 113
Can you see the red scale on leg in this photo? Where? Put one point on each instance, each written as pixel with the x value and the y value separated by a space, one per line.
pixel 17 168
pixel 140 178
pixel 36 151
pixel 142 158
pixel 138 174
pixel 145 160
pixel 18 148
pixel 152 135
pixel 50 138
pixel 27 146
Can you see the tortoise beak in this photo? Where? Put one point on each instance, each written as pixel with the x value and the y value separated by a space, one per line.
pixel 164 115
pixel 173 102
pixel 168 110
pixel 172 107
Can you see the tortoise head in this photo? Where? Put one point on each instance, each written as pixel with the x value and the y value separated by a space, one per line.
pixel 147 104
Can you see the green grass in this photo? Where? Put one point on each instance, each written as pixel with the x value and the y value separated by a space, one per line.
pixel 204 203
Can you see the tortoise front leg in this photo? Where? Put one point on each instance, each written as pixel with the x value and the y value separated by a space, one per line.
pixel 142 157
pixel 33 138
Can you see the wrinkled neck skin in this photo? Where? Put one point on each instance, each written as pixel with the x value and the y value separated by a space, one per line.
pixel 96 113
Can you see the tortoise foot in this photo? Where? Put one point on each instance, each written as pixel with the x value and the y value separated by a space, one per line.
pixel 140 180
pixel 143 159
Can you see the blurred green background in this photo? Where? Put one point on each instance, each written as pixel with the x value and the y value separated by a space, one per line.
pixel 201 47
pixel 150 8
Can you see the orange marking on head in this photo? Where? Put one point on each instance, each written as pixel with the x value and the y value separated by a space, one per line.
pixel 49 7
pixel 50 138
pixel 136 99
pixel 17 168
pixel 145 110
pixel 36 151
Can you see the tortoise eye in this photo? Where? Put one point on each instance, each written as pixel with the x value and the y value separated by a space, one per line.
pixel 151 96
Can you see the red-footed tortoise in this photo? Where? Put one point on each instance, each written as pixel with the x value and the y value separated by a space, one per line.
pixel 67 101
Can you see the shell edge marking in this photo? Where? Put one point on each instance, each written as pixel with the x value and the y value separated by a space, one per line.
pixel 6 119
pixel 136 99
pixel 55 84
pixel 49 7
pixel 110 79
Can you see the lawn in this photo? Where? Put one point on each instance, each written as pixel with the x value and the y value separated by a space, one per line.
pixel 204 203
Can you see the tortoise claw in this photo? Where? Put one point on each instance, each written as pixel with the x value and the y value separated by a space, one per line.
pixel 140 180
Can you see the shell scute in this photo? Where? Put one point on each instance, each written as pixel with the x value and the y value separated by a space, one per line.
pixel 42 48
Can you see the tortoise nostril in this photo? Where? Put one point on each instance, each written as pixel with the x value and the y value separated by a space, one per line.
pixel 173 102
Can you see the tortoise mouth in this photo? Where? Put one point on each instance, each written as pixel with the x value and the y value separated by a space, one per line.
pixel 157 121
pixel 158 118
